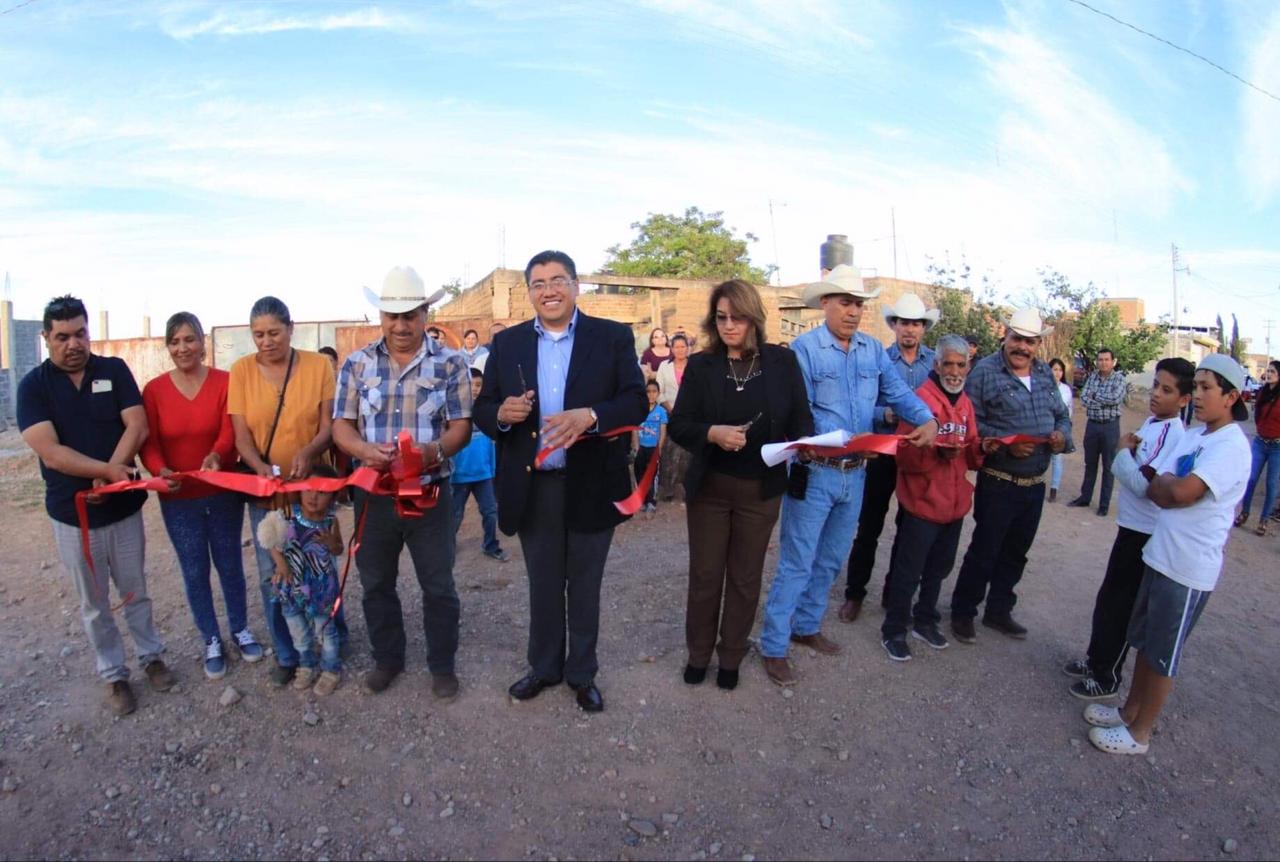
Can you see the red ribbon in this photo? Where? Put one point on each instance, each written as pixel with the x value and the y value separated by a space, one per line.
pixel 402 480
pixel 630 504
pixel 1013 439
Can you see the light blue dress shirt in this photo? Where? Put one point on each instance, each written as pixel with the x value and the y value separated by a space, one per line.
pixel 555 349
pixel 913 373
pixel 845 386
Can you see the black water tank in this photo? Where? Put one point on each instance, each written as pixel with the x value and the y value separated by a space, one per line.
pixel 836 250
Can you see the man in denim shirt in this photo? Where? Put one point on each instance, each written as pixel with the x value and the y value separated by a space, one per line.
pixel 1012 393
pixel 909 320
pixel 845 374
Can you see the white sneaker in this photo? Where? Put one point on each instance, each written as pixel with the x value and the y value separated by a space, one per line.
pixel 1103 716
pixel 1116 740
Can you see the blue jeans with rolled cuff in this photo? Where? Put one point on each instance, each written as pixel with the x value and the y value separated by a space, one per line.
pixel 816 535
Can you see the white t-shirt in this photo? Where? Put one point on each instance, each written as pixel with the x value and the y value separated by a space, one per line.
pixel 1187 543
pixel 1067 397
pixel 1026 381
pixel 1160 439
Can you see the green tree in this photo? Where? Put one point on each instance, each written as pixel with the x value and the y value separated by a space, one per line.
pixel 1096 325
pixel 1237 347
pixel 1223 347
pixel 694 245
pixel 967 309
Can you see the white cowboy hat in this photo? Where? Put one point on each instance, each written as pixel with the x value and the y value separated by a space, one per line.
pixel 844 280
pixel 1027 322
pixel 402 290
pixel 910 307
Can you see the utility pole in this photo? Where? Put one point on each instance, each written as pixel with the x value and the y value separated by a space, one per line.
pixel 777 267
pixel 893 225
pixel 1269 323
pixel 1177 335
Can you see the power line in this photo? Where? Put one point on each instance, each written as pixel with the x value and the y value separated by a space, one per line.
pixel 1199 57
pixel 16 8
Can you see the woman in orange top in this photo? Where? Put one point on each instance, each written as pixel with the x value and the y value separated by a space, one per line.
pixel 281 405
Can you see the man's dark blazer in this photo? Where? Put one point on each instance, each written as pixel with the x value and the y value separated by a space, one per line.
pixel 604 375
pixel 700 405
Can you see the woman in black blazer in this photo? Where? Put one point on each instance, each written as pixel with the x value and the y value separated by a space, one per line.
pixel 738 394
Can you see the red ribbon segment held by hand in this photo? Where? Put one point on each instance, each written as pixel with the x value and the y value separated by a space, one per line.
pixel 402 480
pixel 633 501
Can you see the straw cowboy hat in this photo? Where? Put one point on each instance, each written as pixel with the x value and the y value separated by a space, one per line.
pixel 402 290
pixel 1027 322
pixel 910 307
pixel 844 280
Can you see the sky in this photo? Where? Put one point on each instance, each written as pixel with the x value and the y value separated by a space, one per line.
pixel 186 155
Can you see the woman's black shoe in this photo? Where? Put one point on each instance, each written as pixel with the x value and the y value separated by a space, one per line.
pixel 694 675
pixel 727 679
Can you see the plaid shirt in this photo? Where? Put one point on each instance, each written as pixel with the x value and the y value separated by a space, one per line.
pixel 434 388
pixel 1003 406
pixel 1104 397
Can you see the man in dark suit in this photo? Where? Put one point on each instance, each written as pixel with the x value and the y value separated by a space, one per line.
pixel 557 382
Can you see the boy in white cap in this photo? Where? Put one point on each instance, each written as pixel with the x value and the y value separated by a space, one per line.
pixel 1183 557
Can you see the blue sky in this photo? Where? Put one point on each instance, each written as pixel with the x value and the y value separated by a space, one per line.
pixel 166 155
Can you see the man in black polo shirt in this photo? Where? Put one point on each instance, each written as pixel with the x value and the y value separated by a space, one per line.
pixel 83 416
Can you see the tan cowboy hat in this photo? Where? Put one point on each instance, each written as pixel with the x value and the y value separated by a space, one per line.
pixel 910 307
pixel 1028 323
pixel 402 290
pixel 844 280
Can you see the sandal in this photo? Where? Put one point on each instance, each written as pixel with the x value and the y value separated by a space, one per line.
pixel 1241 518
pixel 1262 528
pixel 1103 716
pixel 1116 740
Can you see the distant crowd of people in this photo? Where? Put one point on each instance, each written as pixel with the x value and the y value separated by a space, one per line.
pixel 555 419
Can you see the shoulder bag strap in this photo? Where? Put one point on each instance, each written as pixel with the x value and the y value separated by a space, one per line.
pixel 275 423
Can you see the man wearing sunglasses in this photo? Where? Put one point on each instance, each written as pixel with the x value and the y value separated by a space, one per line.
pixel 1013 393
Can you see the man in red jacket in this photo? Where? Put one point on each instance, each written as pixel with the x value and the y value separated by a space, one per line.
pixel 934 495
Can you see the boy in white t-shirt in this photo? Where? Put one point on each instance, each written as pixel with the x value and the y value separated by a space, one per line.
pixel 1152 447
pixel 1197 500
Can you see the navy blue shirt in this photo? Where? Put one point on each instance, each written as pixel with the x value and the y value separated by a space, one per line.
pixel 86 420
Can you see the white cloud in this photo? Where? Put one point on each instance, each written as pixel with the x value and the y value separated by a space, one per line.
pixel 1064 138
pixel 1259 155
pixel 800 32
pixel 239 20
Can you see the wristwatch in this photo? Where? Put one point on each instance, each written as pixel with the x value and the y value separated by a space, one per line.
pixel 595 420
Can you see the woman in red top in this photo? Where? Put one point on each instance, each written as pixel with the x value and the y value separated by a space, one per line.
pixel 190 430
pixel 1266 447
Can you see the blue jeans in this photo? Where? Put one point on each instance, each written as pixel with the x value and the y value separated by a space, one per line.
pixel 488 505
pixel 1055 481
pixel 203 528
pixel 817 533
pixel 308 633
pixel 281 638
pixel 1268 457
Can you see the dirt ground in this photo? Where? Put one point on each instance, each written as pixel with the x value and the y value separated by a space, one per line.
pixel 974 752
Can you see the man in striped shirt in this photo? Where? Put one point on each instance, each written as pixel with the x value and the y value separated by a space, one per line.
pixel 406 381
pixel 1098 676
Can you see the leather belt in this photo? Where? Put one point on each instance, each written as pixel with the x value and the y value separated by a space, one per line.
pixel 852 462
pixel 1269 441
pixel 1020 481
